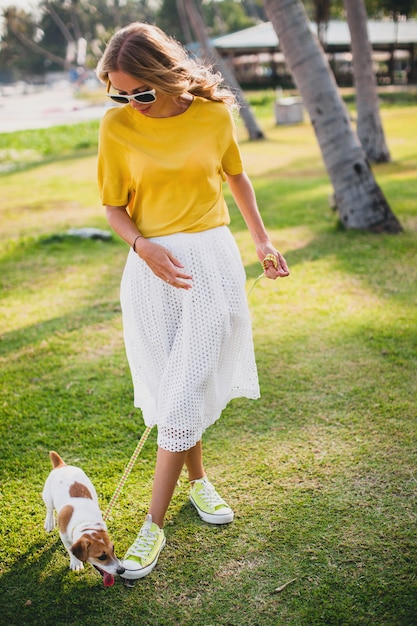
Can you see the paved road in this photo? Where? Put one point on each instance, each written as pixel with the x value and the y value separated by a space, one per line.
pixel 50 107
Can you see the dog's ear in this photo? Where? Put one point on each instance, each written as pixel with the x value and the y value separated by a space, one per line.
pixel 80 549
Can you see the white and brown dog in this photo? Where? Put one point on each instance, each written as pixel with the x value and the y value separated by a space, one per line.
pixel 81 527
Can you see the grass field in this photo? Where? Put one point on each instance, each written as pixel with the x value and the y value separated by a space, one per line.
pixel 321 471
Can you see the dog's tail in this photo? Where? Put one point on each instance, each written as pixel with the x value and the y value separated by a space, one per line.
pixel 56 460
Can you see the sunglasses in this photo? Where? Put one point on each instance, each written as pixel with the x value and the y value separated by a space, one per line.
pixel 143 97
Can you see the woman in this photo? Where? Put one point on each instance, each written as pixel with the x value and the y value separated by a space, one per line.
pixel 163 157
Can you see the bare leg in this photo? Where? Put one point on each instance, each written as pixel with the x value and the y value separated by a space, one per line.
pixel 167 471
pixel 194 462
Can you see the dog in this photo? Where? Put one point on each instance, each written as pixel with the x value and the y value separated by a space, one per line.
pixel 83 532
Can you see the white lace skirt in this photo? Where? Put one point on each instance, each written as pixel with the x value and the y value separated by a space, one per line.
pixel 189 351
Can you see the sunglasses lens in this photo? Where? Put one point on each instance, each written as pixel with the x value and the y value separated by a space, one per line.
pixel 145 98
pixel 119 99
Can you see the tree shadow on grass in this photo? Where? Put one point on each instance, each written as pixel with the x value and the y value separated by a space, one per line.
pixel 77 319
pixel 40 589
pixel 84 151
pixel 383 264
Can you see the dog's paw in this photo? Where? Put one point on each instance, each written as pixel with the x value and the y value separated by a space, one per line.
pixel 49 522
pixel 75 564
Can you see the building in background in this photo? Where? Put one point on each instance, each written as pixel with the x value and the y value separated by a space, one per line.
pixel 254 53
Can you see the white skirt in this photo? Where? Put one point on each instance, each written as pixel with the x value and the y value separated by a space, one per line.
pixel 189 351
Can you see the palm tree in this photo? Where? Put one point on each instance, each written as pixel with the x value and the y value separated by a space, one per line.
pixel 369 125
pixel 359 200
pixel 199 28
pixel 321 17
pixel 16 25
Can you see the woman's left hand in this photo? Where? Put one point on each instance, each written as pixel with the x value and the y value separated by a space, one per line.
pixel 274 264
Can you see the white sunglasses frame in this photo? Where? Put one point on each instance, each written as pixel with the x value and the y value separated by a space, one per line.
pixel 125 99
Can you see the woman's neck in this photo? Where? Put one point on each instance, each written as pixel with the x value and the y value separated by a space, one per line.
pixel 172 107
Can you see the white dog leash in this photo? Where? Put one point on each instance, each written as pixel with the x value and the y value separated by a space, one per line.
pixel 127 471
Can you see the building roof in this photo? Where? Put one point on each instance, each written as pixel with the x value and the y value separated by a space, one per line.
pixel 263 37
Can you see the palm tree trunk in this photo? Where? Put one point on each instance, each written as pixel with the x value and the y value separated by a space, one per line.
pixel 321 17
pixel 14 28
pixel 360 201
pixel 369 125
pixel 199 28
pixel 186 31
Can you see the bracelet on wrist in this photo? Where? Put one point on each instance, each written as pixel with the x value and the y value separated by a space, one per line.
pixel 134 243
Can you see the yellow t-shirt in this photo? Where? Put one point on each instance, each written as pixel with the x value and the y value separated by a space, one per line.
pixel 169 172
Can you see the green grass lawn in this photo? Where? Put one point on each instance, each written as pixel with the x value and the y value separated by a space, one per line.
pixel 321 471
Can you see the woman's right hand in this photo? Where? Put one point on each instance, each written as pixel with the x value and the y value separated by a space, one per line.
pixel 163 263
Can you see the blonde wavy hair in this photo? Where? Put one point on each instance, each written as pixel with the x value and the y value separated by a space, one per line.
pixel 151 56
